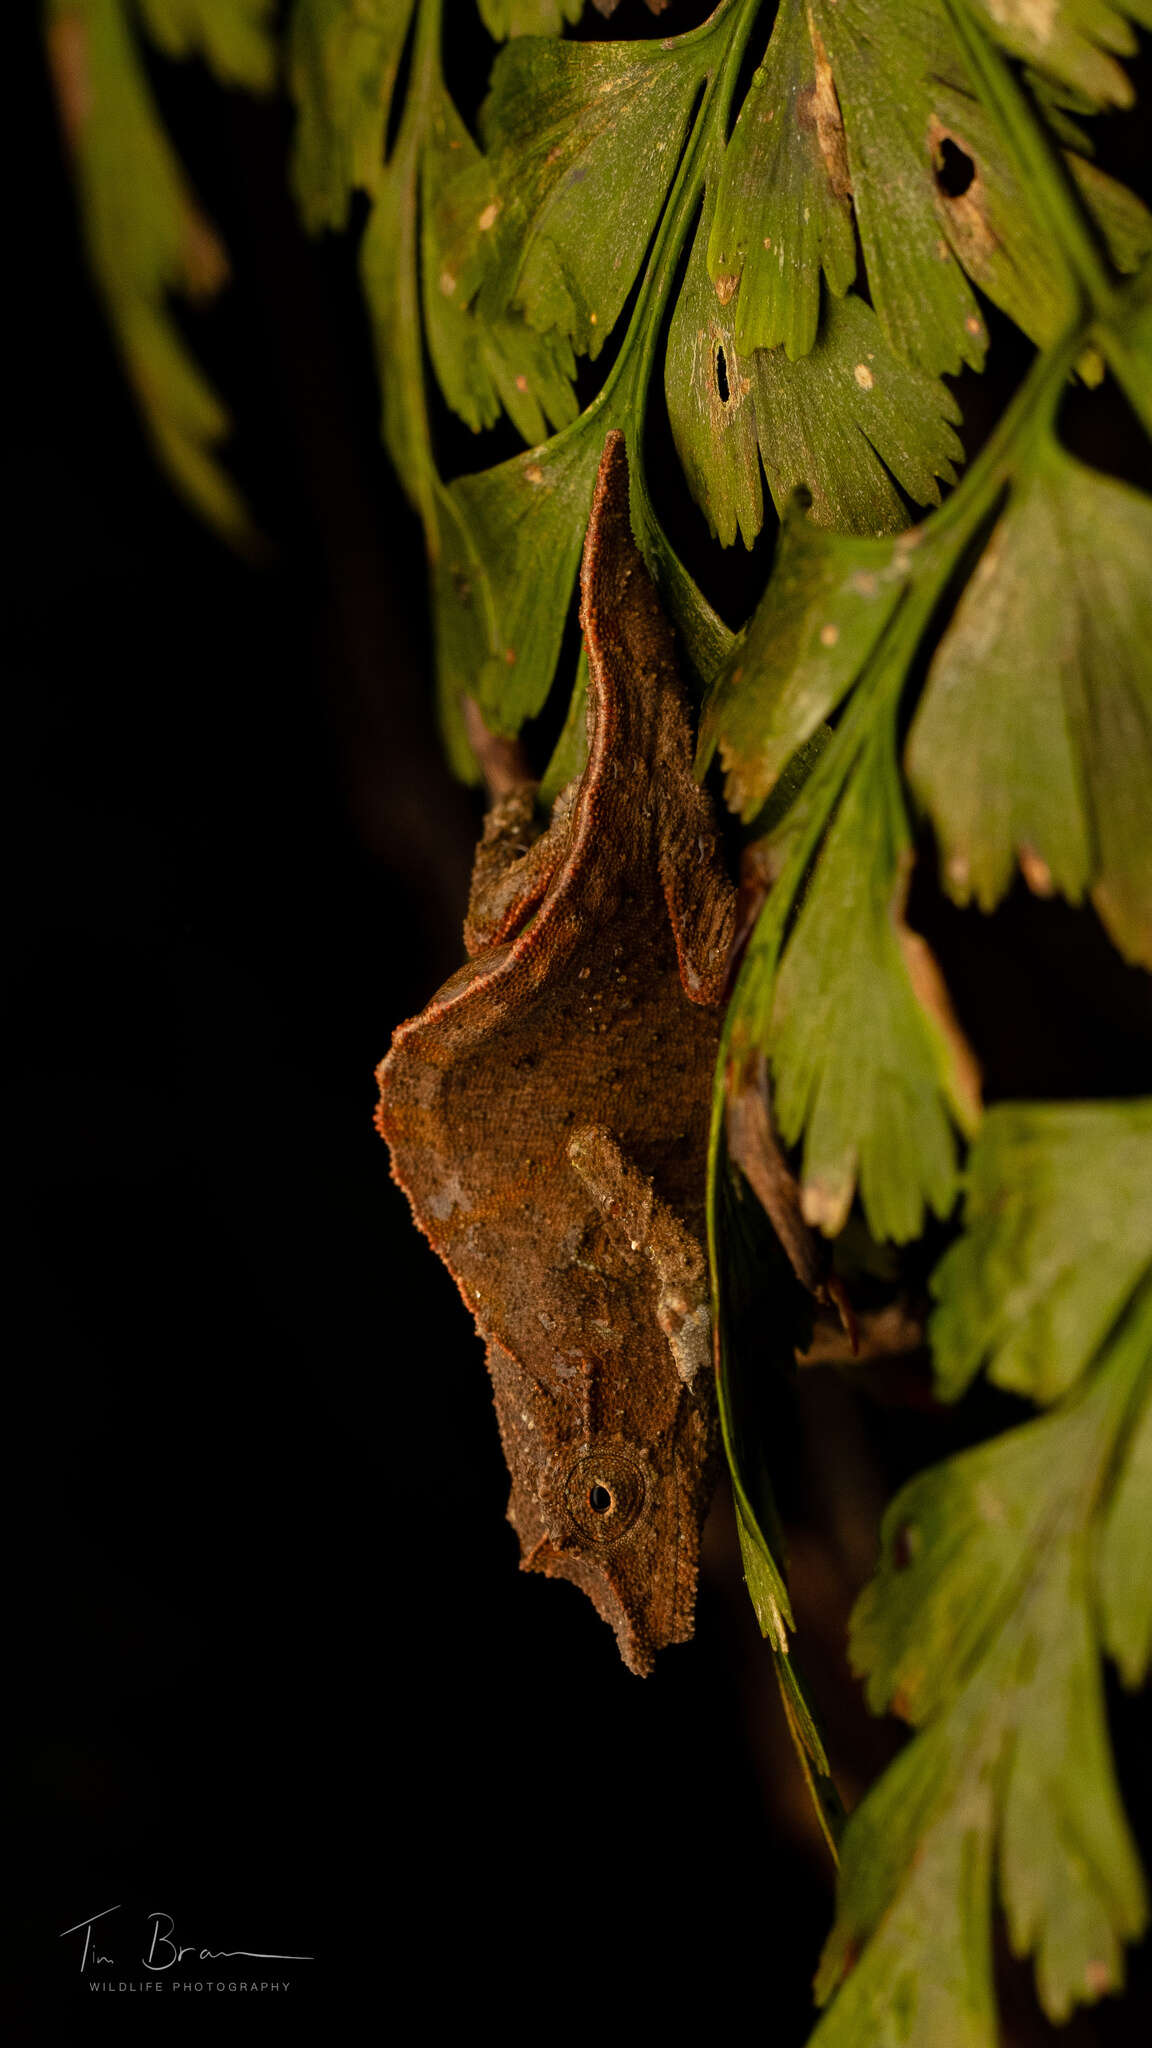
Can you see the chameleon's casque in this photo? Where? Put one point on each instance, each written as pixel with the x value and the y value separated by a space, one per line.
pixel 547 1116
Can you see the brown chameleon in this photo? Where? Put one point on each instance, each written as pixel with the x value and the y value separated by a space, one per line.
pixel 547 1116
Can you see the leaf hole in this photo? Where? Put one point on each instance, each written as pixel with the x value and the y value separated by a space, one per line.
pixel 955 169
pixel 905 1544
pixel 722 376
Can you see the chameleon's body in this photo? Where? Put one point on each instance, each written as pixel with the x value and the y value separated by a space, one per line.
pixel 547 1116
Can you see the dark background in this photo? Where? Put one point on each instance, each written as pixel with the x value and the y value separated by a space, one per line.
pixel 275 1670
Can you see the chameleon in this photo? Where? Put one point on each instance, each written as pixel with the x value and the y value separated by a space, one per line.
pixel 547 1117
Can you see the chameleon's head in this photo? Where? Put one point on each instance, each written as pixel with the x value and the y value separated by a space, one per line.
pixel 620 1519
pixel 624 1525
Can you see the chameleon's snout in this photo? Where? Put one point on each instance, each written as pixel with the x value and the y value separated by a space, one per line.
pixel 611 1520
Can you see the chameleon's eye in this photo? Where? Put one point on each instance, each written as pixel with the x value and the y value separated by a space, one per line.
pixel 601 1491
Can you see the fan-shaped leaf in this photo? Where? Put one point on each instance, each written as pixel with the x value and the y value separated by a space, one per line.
pixel 842 422
pixel 783 212
pixel 938 197
pixel 981 1623
pixel 1033 741
pixel 146 237
pixel 828 601
pixel 569 229
pixel 1076 41
pixel 480 364
pixel 868 1068
pixel 527 518
pixel 503 18
pixel 1124 1558
pixel 343 58
pixel 1058 1234
pixel 235 36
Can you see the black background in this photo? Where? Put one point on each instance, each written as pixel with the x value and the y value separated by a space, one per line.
pixel 275 1671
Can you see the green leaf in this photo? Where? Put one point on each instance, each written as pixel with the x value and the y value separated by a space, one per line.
pixel 507 570
pixel 1124 1558
pixel 916 1861
pixel 458 591
pixel 864 1069
pixel 1122 218
pixel 841 423
pixel 766 1588
pixel 1057 1236
pixel 235 36
pixel 1076 41
pixel 783 209
pixel 146 237
pixel 813 633
pixel 747 1263
pixel 509 595
pixel 712 406
pixel 432 259
pixel 390 278
pixel 1033 740
pixel 968 1543
pixel 503 18
pixel 570 753
pixel 569 230
pixel 1059 105
pixel 343 58
pixel 1070 1878
pixel 909 118
pixel 1127 342
pixel 480 365
pixel 706 639
pixel 981 1622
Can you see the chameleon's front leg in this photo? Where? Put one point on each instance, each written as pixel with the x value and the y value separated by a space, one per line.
pixel 629 1202
pixel 518 854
